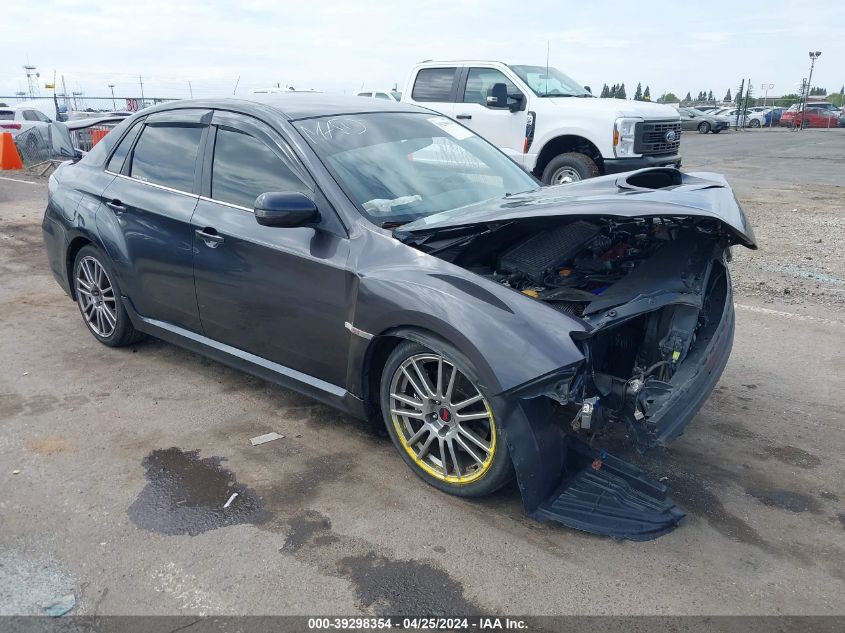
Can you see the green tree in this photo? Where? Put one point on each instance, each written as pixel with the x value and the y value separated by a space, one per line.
pixel 647 94
pixel 605 92
pixel 620 92
pixel 638 93
pixel 688 98
pixel 668 97
pixel 818 92
pixel 710 96
pixel 728 97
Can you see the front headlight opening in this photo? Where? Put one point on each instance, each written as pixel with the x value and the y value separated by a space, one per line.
pixel 624 136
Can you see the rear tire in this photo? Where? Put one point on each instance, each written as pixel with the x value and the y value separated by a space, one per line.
pixel 100 302
pixel 703 127
pixel 754 123
pixel 428 419
pixel 569 167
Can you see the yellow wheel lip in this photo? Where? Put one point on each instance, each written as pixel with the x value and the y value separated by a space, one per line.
pixel 451 479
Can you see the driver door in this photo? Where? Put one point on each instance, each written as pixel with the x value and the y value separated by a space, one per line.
pixel 500 126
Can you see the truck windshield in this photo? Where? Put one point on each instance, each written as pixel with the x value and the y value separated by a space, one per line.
pixel 549 84
pixel 399 167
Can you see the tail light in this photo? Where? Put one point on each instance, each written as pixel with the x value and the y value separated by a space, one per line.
pixel 10 126
pixel 530 124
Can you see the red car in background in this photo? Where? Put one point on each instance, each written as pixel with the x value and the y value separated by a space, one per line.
pixel 810 117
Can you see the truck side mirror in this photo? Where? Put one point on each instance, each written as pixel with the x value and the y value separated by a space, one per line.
pixel 497 96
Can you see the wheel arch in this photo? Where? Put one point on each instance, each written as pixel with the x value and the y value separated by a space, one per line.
pixel 383 344
pixel 566 143
pixel 75 245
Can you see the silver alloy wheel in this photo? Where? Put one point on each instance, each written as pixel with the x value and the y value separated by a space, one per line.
pixel 95 295
pixel 441 419
pixel 565 175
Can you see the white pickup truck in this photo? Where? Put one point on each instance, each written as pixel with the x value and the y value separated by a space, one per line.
pixel 546 121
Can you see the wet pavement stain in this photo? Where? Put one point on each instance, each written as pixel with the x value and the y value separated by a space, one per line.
pixel 841 517
pixel 785 500
pixel 793 456
pixel 310 527
pixel 409 587
pixel 185 494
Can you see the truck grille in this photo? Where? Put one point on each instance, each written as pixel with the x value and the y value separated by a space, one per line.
pixel 650 137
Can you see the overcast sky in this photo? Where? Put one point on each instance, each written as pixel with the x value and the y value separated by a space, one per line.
pixel 342 45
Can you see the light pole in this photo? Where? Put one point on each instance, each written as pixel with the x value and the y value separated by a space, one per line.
pixel 813 57
pixel 113 104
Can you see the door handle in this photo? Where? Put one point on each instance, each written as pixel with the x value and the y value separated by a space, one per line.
pixel 464 116
pixel 210 237
pixel 116 206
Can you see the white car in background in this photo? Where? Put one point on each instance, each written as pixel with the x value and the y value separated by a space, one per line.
pixel 750 119
pixel 388 95
pixel 30 128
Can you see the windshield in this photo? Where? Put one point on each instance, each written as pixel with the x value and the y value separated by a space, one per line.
pixel 551 84
pixel 396 95
pixel 399 167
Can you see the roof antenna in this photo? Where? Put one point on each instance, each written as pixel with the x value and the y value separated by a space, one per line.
pixel 547 68
pixel 236 85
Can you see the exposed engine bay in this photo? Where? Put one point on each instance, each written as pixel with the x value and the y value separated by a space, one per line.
pixel 650 289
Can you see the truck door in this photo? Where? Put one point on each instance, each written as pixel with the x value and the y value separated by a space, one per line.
pixel 502 127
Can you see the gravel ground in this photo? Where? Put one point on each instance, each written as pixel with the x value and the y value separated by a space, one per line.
pixel 115 464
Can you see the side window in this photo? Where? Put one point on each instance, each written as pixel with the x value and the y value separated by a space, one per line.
pixel 381 95
pixel 433 84
pixel 115 164
pixel 244 168
pixel 29 115
pixel 167 155
pixel 480 79
pixel 41 117
pixel 365 94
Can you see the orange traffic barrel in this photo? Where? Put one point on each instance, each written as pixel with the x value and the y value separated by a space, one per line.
pixel 9 157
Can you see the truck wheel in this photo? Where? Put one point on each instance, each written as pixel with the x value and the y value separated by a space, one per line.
pixel 569 167
pixel 703 127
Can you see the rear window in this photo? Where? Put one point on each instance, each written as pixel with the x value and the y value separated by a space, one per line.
pixel 7 115
pixel 433 84
pixel 166 155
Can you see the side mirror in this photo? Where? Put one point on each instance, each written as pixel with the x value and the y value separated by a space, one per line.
pixel 497 96
pixel 285 209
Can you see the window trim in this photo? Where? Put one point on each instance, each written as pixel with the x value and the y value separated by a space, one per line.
pixel 249 125
pixel 126 171
pixel 129 130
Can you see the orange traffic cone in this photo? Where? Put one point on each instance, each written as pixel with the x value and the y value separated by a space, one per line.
pixel 9 157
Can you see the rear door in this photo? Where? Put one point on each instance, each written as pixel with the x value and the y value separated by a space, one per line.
pixel 436 88
pixel 279 293
pixel 147 215
pixel 500 126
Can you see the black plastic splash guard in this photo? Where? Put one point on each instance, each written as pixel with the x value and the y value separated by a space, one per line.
pixel 601 494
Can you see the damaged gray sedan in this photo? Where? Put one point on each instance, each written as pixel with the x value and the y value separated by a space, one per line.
pixel 386 260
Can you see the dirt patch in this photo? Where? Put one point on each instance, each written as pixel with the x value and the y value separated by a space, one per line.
pixel 734 430
pixel 785 500
pixel 186 495
pixel 408 587
pixel 47 445
pixel 793 456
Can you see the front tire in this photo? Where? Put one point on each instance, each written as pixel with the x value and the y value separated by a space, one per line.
pixel 569 167
pixel 754 123
pixel 441 422
pixel 99 299
pixel 703 127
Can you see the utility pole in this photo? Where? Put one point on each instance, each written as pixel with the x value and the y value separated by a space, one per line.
pixel 190 89
pixel 739 104
pixel 113 104
pixel 236 85
pixel 32 76
pixel 141 81
pixel 814 55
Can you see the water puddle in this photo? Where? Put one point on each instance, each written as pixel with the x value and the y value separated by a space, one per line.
pixel 186 494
